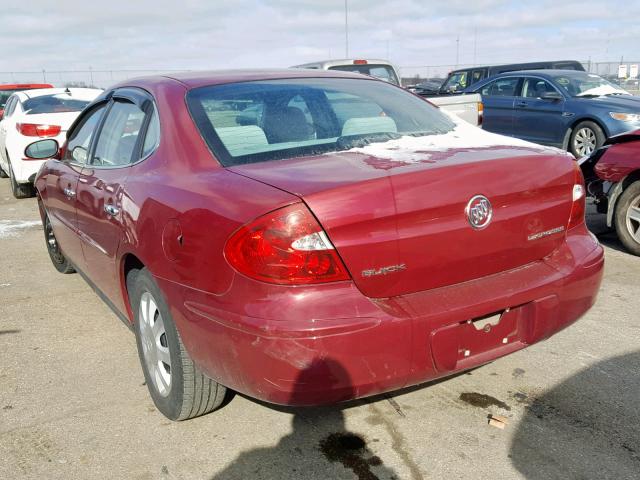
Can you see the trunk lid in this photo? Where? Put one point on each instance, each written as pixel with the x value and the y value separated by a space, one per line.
pixel 396 214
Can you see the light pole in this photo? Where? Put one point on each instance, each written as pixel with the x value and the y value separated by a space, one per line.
pixel 346 28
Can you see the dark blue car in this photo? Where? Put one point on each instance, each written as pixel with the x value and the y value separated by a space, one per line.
pixel 575 111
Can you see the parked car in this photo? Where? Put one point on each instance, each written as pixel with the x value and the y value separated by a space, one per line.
pixel 8 89
pixel 468 107
pixel 428 87
pixel 40 113
pixel 352 224
pixel 459 80
pixel 612 177
pixel 575 111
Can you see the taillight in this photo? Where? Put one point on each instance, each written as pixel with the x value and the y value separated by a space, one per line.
pixel 286 246
pixel 480 112
pixel 578 206
pixel 38 130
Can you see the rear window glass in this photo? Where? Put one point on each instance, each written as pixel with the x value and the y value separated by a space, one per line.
pixel 277 119
pixel 383 72
pixel 56 103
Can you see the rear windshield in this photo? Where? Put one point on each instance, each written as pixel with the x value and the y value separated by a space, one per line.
pixel 383 72
pixel 57 103
pixel 4 96
pixel 277 119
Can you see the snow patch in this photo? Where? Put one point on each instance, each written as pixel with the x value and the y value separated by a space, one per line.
pixel 411 149
pixel 11 228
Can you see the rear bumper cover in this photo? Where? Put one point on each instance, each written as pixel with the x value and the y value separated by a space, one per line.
pixel 324 345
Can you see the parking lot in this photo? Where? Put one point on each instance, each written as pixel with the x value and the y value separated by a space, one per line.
pixel 73 403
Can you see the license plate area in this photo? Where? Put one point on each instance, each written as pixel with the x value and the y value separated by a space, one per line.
pixel 478 340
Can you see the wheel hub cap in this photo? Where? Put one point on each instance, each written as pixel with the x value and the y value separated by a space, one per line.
pixel 585 141
pixel 155 348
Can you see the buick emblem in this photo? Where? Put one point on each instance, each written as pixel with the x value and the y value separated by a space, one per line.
pixel 479 212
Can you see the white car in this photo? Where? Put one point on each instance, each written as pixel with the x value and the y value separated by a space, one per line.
pixel 30 116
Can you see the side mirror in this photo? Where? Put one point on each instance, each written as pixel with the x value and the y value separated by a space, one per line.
pixel 553 96
pixel 42 149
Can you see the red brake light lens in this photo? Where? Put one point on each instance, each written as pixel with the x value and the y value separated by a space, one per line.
pixel 359 62
pixel 38 130
pixel 578 206
pixel 286 247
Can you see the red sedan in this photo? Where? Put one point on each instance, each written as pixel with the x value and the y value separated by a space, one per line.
pixel 310 237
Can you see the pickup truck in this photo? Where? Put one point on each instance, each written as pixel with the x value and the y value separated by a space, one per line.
pixel 468 106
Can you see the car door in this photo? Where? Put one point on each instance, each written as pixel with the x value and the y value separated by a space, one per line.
pixel 498 98
pixel 101 187
pixel 61 183
pixel 537 119
pixel 4 125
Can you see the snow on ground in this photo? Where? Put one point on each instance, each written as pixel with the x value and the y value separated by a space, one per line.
pixel 11 228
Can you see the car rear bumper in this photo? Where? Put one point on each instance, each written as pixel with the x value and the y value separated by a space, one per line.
pixel 324 345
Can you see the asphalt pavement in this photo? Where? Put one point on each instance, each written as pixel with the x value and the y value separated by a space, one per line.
pixel 73 404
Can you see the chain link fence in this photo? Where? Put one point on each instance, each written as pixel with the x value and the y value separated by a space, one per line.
pixel 411 74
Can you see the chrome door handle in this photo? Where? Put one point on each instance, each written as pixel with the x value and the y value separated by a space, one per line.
pixel 69 193
pixel 111 210
pixel 521 104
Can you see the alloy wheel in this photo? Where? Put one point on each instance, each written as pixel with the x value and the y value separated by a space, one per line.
pixel 155 348
pixel 52 243
pixel 584 141
pixel 633 219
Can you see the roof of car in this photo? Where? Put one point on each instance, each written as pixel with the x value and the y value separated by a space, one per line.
pixel 195 79
pixel 25 94
pixel 542 73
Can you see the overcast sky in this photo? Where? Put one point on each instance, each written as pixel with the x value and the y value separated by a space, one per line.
pixel 211 34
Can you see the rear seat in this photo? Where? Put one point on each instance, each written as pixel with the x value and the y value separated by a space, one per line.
pixel 364 125
pixel 242 140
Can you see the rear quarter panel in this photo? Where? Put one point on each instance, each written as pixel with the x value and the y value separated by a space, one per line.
pixel 619 161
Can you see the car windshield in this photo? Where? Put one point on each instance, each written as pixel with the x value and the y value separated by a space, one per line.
pixel 587 85
pixel 383 72
pixel 56 103
pixel 4 96
pixel 276 119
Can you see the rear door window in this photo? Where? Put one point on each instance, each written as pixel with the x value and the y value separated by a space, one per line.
pixel 503 87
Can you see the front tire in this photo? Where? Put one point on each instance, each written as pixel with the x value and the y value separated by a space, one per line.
pixel 178 389
pixel 627 218
pixel 19 190
pixel 60 262
pixel 586 138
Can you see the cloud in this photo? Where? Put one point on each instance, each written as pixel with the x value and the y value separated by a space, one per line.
pixel 201 34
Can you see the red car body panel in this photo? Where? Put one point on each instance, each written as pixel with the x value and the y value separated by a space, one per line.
pixel 622 158
pixel 179 206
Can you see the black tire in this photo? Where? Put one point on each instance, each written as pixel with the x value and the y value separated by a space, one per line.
pixel 60 262
pixel 189 392
pixel 625 225
pixel 586 137
pixel 19 190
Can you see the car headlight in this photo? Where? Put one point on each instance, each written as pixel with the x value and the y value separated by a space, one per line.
pixel 625 117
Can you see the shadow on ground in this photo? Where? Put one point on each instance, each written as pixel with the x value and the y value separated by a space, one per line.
pixel 319 445
pixel 588 427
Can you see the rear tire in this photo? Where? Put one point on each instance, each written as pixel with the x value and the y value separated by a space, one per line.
pixel 179 390
pixel 58 259
pixel 586 138
pixel 627 218
pixel 19 190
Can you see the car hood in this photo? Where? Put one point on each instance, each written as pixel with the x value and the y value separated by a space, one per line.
pixel 626 102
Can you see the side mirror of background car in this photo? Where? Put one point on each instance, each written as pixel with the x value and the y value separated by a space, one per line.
pixel 551 96
pixel 42 149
